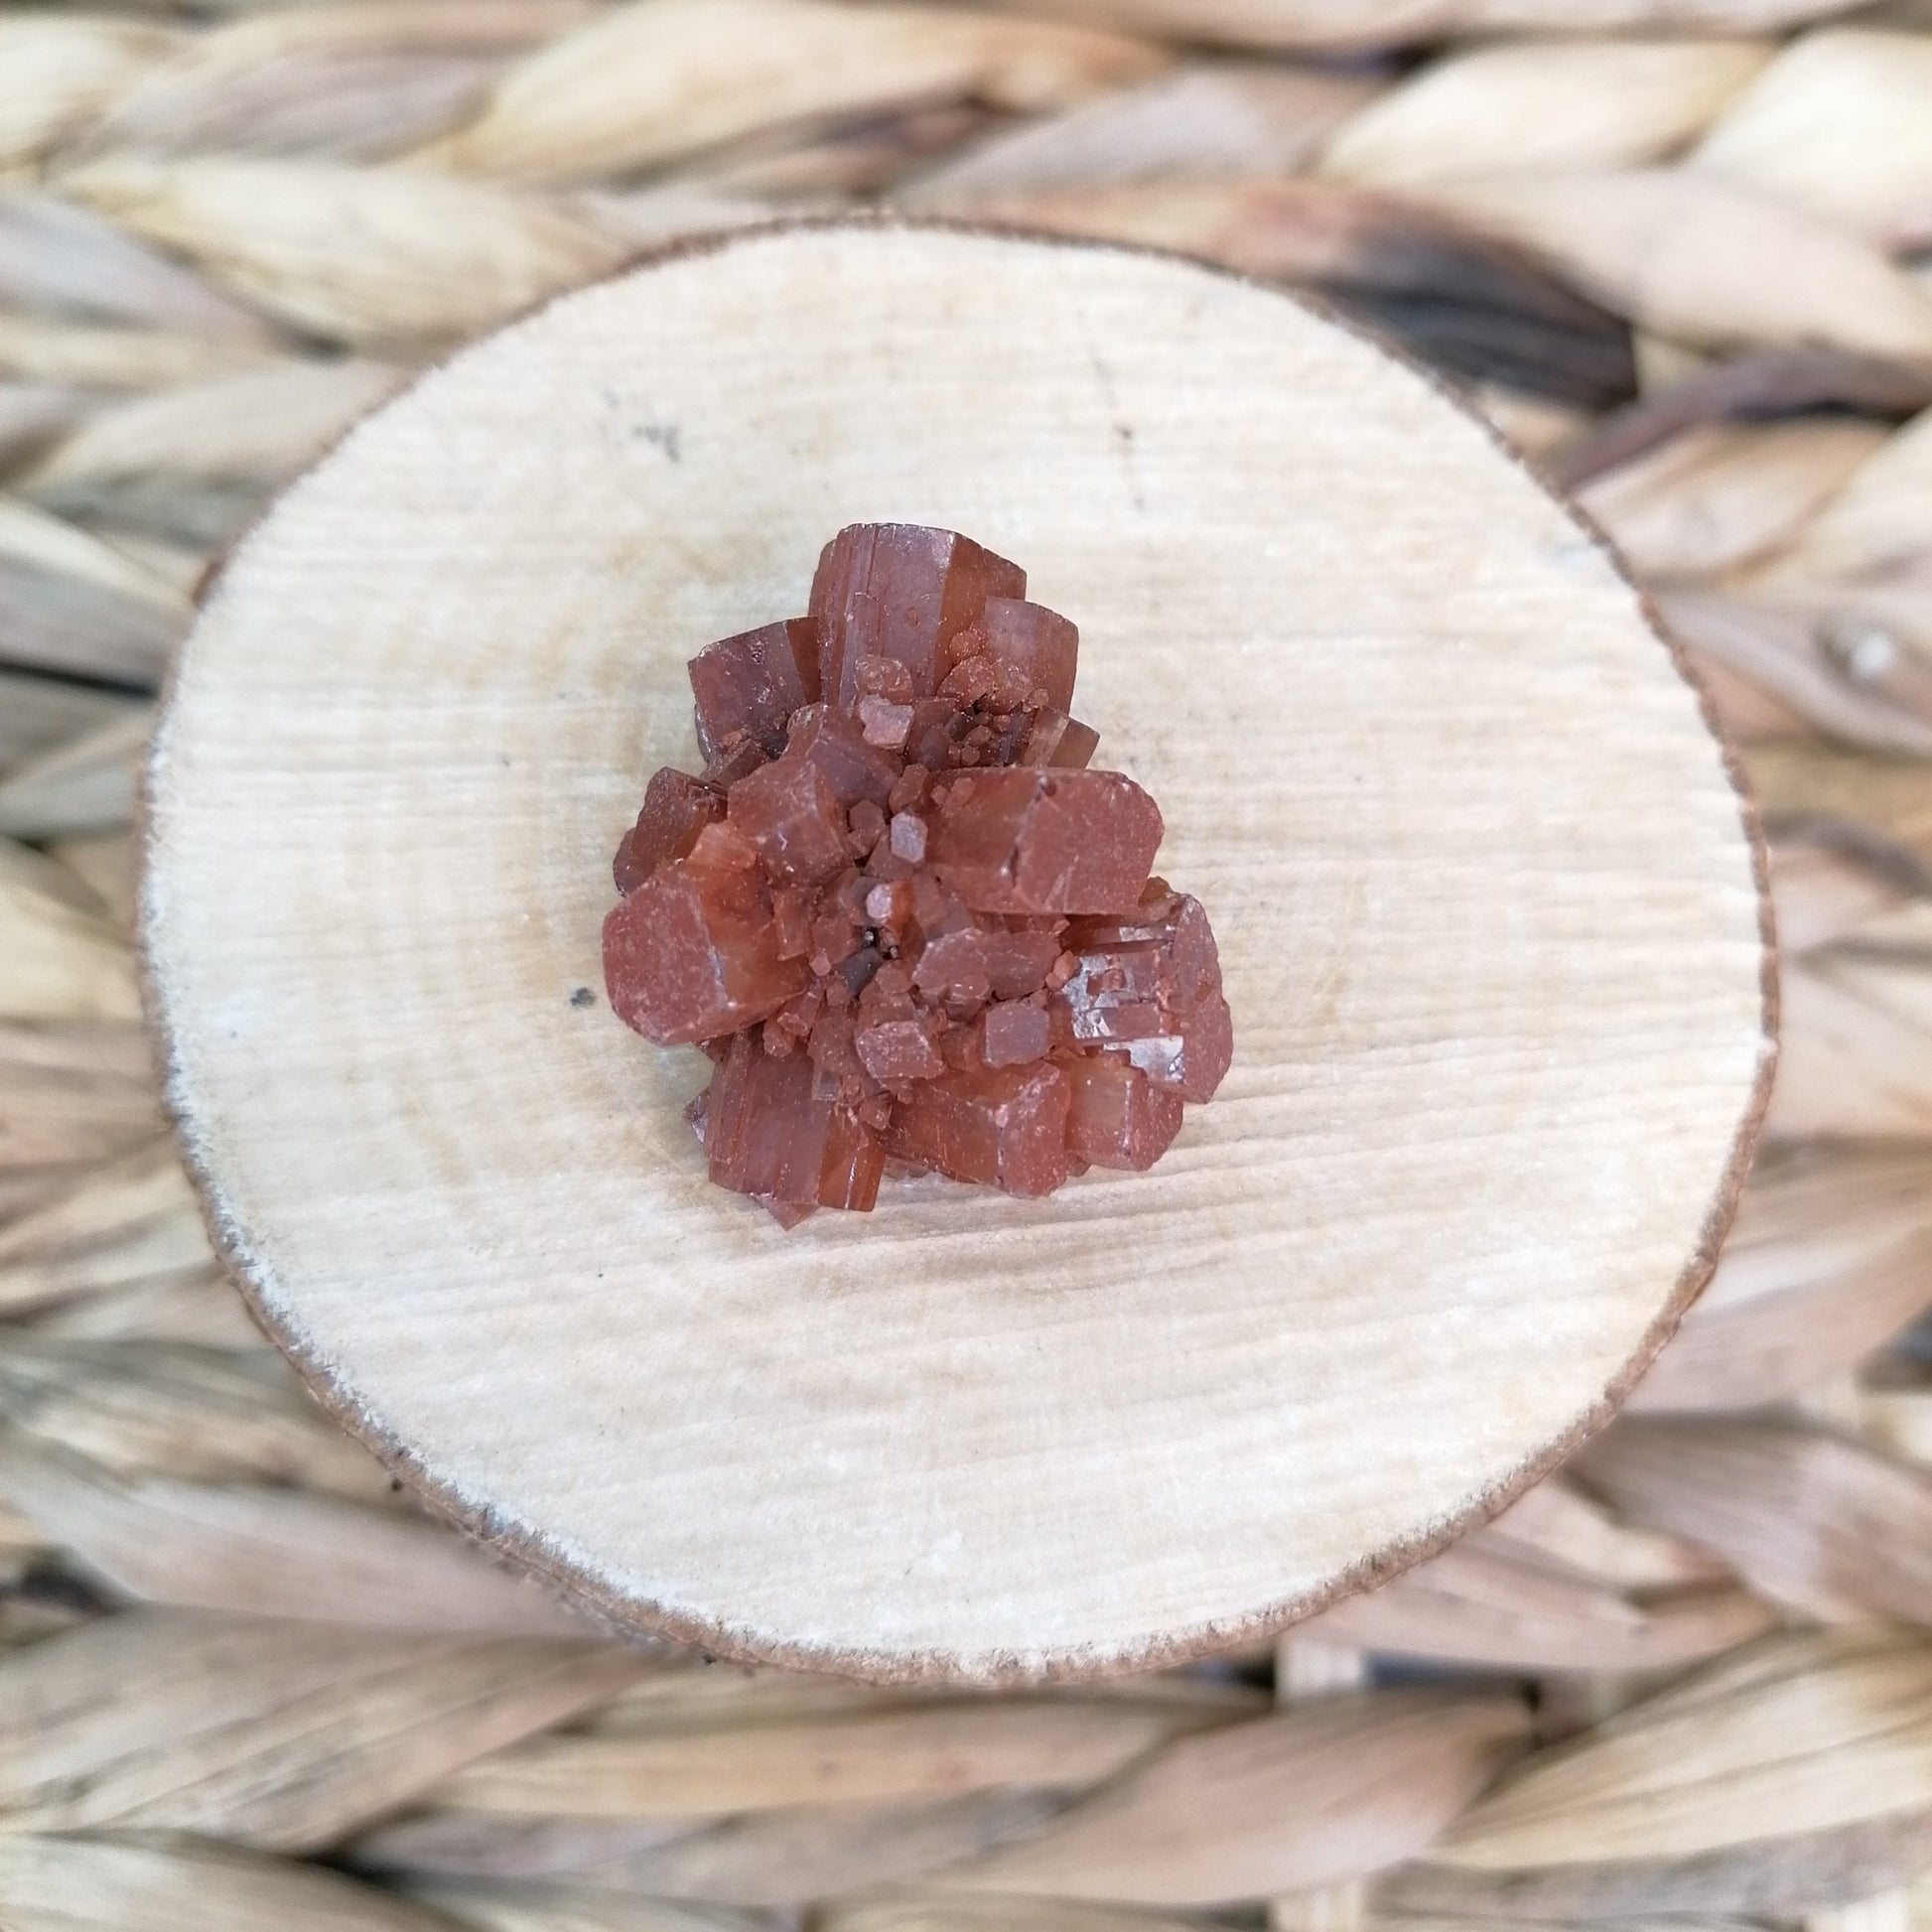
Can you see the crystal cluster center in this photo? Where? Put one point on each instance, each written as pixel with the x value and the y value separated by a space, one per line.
pixel 896 907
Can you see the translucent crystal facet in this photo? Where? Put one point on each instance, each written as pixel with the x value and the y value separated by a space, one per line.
pixel 900 912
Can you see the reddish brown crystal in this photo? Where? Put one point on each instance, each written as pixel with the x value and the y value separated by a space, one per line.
pixel 1028 841
pixel 1116 1116
pixel 749 686
pixel 1004 1126
pixel 902 592
pixel 792 819
pixel 692 954
pixel 1020 656
pixel 777 1127
pixel 898 911
pixel 677 807
pixel 1149 986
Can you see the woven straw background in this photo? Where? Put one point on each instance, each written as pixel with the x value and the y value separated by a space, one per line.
pixel 1682 251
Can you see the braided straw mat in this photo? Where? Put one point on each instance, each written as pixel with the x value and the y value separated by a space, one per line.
pixel 1681 253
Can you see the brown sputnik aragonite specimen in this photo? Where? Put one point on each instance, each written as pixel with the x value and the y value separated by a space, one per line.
pixel 897 909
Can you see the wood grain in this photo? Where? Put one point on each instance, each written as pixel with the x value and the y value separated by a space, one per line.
pixel 1488 906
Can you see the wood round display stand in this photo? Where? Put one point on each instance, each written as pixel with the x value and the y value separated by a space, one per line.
pixel 1488 902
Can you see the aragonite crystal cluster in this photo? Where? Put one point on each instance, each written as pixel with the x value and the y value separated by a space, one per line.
pixel 897 909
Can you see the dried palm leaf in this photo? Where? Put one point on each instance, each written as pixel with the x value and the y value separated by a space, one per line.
pixel 710 1695
pixel 1539 428
pixel 653 217
pixel 280 1735
pixel 1206 119
pixel 574 1908
pixel 1306 1668
pixel 1329 1791
pixel 1744 712
pixel 1472 306
pixel 375 256
pixel 1774 1879
pixel 178 1410
pixel 70 601
pixel 437 1843
pixel 766 1858
pixel 1796 1737
pixel 1799 785
pixel 1899 1421
pixel 97 1052
pixel 1559 1526
pixel 1832 667
pixel 198 1307
pixel 1856 1058
pixel 1481 1603
pixel 1350 25
pixel 788 1857
pixel 34 414
pixel 59 260
pixel 130 1218
pixel 1703 261
pixel 852 155
pixel 1641 1922
pixel 59 955
pixel 1840 123
pixel 195 464
pixel 83 1884
pixel 939 1911
pixel 644 84
pixel 1877 526
pixel 1812 1520
pixel 272 1553
pixel 1837 886
pixel 1830 1256
pixel 55 1109
pixel 324 106
pixel 700 1694
pixel 1664 365
pixel 57 74
pixel 938 1750
pixel 1767 384
pixel 1726 493
pixel 87 785
pixel 86 356
pixel 106 863
pixel 39 713
pixel 1531 108
pixel 355 79
pixel 184 567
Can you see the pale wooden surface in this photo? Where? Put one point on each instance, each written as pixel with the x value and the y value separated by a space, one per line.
pixel 1485 902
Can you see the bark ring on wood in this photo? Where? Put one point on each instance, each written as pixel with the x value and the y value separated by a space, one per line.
pixel 1490 909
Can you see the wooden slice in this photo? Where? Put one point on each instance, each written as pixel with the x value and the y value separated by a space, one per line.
pixel 1486 899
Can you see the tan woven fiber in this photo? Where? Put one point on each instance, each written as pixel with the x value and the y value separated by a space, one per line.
pixel 1680 250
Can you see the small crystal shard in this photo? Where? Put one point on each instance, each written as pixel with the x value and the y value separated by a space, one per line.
pixel 898 910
